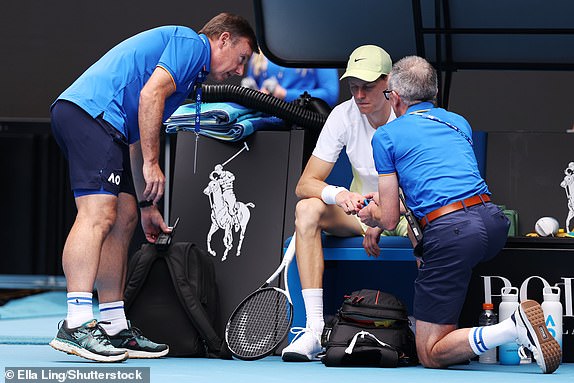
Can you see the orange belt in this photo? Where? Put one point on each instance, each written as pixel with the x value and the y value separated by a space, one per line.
pixel 458 205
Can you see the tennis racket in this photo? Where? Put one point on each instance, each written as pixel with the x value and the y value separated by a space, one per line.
pixel 261 322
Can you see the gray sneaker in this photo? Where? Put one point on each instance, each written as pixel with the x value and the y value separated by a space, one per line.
pixel 534 335
pixel 137 345
pixel 89 341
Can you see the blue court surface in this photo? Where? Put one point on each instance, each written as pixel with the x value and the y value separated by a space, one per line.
pixel 28 324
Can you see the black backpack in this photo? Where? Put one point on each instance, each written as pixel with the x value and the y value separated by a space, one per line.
pixel 171 295
pixel 370 329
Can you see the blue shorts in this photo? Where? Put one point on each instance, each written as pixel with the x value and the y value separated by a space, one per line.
pixel 452 245
pixel 98 155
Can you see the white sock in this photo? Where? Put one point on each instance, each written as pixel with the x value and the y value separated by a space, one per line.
pixel 313 299
pixel 79 309
pixel 484 338
pixel 113 312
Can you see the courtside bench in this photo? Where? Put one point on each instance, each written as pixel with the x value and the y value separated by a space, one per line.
pixel 349 268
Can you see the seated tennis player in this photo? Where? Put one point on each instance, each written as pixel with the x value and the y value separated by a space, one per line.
pixel 333 208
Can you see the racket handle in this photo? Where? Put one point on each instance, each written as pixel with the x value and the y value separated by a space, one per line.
pixel 287 258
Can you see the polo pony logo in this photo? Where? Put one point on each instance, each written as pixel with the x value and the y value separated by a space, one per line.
pixel 227 213
pixel 568 185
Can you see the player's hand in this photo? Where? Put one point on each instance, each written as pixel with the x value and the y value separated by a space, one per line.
pixel 350 202
pixel 154 182
pixel 371 241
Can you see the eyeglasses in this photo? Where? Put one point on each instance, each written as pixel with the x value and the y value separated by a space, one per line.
pixel 386 93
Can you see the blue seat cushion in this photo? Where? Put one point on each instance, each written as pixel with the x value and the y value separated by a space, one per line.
pixel 351 248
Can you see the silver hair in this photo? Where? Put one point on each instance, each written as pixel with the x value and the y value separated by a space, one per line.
pixel 414 79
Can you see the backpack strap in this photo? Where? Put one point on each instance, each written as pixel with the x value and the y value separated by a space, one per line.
pixel 363 334
pixel 177 261
pixel 142 261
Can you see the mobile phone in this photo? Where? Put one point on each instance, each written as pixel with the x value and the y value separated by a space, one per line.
pixel 164 239
pixel 411 220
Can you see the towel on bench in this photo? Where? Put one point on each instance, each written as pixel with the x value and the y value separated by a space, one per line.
pixel 225 121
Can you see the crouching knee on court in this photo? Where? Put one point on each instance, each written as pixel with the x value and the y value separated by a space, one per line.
pixel 441 346
pixel 427 360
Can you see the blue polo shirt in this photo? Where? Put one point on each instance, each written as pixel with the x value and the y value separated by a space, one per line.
pixel 112 85
pixel 434 163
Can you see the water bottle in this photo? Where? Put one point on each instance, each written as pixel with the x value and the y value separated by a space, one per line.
pixel 508 352
pixel 487 318
pixel 553 312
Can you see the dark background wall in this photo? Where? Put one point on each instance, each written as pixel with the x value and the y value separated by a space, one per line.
pixel 45 45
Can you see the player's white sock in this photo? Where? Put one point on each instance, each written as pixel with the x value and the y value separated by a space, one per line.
pixel 313 299
pixel 113 312
pixel 484 338
pixel 79 308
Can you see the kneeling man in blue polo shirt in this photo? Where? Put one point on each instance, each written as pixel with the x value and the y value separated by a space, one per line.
pixel 427 152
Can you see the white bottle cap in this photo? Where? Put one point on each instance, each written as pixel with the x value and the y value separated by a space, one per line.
pixel 551 293
pixel 509 294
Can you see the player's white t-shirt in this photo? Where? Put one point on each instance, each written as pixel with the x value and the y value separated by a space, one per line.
pixel 347 127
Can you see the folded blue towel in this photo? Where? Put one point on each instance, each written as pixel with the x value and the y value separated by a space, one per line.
pixel 223 121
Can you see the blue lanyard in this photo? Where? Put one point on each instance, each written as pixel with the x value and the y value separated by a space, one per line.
pixel 200 78
pixel 197 86
pixel 423 114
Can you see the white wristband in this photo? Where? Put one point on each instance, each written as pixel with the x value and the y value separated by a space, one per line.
pixel 330 192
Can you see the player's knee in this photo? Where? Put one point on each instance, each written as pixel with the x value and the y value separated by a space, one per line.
pixel 308 213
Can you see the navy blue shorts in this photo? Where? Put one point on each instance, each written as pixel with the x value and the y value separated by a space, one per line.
pixel 98 155
pixel 452 245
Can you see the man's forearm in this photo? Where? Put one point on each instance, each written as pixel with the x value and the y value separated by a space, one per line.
pixel 136 161
pixel 150 123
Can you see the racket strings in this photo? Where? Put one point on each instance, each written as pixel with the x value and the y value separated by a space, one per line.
pixel 259 324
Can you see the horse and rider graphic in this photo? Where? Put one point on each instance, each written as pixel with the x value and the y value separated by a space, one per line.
pixel 227 213
pixel 568 185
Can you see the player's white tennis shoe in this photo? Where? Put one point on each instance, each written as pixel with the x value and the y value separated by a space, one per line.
pixel 533 334
pixel 304 347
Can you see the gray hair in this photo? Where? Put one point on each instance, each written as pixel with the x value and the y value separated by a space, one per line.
pixel 414 79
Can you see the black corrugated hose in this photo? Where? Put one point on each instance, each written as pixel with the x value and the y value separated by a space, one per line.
pixel 253 99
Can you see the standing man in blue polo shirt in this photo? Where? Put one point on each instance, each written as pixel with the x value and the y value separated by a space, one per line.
pixel 427 152
pixel 112 116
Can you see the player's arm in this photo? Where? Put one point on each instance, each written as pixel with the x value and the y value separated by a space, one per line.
pixel 150 115
pixel 312 181
pixel 312 184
